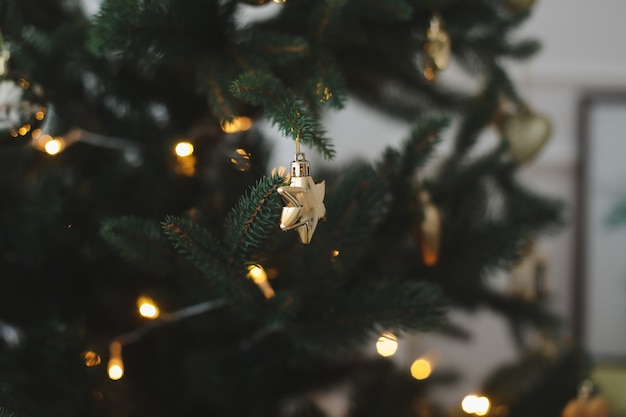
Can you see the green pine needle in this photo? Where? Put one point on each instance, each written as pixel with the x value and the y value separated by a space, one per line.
pixel 254 219
pixel 140 242
pixel 288 113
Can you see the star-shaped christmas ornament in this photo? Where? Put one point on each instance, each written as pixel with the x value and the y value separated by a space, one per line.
pixel 304 201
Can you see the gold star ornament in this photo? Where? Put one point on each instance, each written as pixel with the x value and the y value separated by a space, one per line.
pixel 304 201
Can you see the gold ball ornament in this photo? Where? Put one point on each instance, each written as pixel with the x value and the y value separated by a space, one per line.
pixel 526 133
pixel 436 49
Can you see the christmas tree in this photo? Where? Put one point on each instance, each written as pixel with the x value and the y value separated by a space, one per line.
pixel 135 174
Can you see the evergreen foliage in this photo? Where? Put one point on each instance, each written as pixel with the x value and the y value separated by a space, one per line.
pixel 114 216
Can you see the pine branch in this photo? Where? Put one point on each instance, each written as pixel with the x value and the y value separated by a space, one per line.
pixel 347 319
pixel 199 245
pixel 382 11
pixel 140 242
pixel 283 108
pixel 206 253
pixel 254 219
pixel 359 203
pixel 479 113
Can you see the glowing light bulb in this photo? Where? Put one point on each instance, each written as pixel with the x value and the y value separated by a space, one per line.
pixel 387 344
pixel 24 130
pixel 41 114
pixel 115 367
pixel 91 358
pixel 473 404
pixel 421 369
pixel 184 149
pixel 258 275
pixel 335 253
pixel 54 146
pixel 469 404
pixel 147 308
pixel 482 406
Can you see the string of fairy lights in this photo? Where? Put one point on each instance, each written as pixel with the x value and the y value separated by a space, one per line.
pixel 386 343
pixel 184 151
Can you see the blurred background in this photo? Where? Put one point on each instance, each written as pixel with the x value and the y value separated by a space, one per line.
pixel 578 81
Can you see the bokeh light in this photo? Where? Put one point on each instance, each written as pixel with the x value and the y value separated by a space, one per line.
pixel 387 344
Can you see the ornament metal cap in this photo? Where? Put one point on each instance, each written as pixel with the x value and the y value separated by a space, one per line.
pixel 300 167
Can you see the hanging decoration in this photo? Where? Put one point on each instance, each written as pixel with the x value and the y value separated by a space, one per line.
pixel 526 133
pixel 586 405
pixel 304 199
pixel 436 49
pixel 428 235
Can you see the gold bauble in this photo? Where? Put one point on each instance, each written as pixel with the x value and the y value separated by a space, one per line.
pixel 526 132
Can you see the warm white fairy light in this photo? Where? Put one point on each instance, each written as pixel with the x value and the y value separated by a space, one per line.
pixel 258 275
pixel 184 149
pixel 473 404
pixel 115 367
pixel 147 307
pixel 387 344
pixel 54 146
pixel 421 369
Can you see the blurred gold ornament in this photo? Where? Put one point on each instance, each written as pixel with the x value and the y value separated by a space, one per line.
pixel 91 358
pixel 519 6
pixel 304 200
pixel 436 49
pixel 5 55
pixel 428 234
pixel 526 132
pixel 585 405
